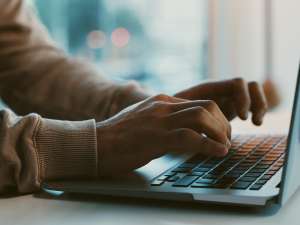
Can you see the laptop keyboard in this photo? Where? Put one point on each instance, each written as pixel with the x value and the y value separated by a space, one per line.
pixel 250 164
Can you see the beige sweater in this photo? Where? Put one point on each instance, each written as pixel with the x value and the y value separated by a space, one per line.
pixel 38 78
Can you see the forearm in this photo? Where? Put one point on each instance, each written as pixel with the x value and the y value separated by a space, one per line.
pixel 36 76
pixel 33 149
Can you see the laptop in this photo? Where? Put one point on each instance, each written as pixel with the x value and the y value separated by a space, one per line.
pixel 259 169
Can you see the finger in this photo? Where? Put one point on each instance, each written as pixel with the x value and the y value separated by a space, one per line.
pixel 199 120
pixel 228 108
pixel 164 98
pixel 207 90
pixel 259 103
pixel 210 106
pixel 241 97
pixel 189 140
pixel 214 109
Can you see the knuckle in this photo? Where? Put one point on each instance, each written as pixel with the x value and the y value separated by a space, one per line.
pixel 211 105
pixel 224 135
pixel 184 134
pixel 253 83
pixel 239 80
pixel 205 144
pixel 161 97
pixel 264 107
pixel 160 107
pixel 199 113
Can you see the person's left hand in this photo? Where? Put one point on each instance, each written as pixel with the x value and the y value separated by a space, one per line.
pixel 234 97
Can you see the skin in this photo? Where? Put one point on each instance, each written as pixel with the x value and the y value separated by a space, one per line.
pixel 196 119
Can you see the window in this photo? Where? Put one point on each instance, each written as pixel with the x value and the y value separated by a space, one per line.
pixel 160 43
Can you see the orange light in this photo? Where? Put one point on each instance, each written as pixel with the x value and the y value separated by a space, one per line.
pixel 96 39
pixel 120 37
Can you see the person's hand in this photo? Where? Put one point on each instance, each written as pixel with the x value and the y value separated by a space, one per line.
pixel 234 97
pixel 148 129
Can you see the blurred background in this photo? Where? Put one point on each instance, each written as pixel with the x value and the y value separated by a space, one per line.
pixel 160 43
pixel 169 45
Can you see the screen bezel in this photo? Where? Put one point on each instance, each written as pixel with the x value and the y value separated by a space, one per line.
pixel 291 128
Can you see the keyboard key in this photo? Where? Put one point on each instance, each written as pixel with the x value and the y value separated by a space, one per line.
pixel 271 172
pixel 163 177
pixel 210 176
pixel 266 177
pixel 267 162
pixel 254 170
pixel 233 176
pixel 250 161
pixel 207 165
pixel 201 185
pixel 243 165
pixel 187 165
pixel 169 174
pixel 256 187
pixel 172 179
pixel 260 166
pixel 200 169
pixel 276 168
pixel 222 185
pixel 226 180
pixel 185 181
pixel 157 182
pixel 259 153
pixel 206 181
pixel 261 182
pixel 229 164
pixel 216 172
pixel 271 158
pixel 241 185
pixel 181 170
pixel 197 173
pixel 249 174
pixel 254 157
pixel 278 163
pixel 249 179
pixel 233 172
pixel 274 154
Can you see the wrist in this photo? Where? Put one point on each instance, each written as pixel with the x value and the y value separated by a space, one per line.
pixel 128 95
pixel 107 144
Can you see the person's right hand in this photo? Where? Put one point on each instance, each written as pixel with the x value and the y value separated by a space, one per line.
pixel 151 128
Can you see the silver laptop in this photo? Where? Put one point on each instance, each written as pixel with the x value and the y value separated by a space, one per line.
pixel 257 170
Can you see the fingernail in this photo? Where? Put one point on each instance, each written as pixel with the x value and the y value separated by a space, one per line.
pixel 245 114
pixel 222 153
pixel 228 144
pixel 259 122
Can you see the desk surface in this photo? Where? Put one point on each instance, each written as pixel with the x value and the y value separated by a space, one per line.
pixel 46 210
pixel 36 210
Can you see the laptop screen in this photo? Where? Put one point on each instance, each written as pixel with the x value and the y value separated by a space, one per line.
pixel 291 178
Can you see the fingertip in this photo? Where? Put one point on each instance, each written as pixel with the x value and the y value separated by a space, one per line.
pixel 228 144
pixel 244 114
pixel 222 152
pixel 257 120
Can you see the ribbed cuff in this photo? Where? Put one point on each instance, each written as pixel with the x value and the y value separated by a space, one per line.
pixel 66 150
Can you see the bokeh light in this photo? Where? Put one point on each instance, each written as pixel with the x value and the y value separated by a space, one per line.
pixel 96 39
pixel 120 37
